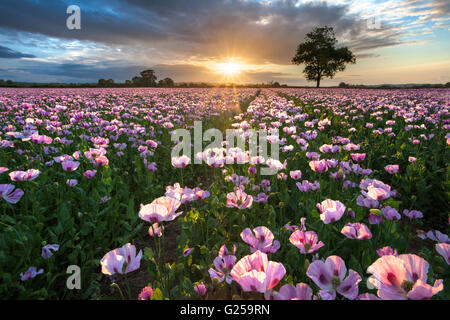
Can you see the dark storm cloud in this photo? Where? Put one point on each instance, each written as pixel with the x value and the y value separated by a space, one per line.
pixel 99 21
pixel 168 32
pixel 202 28
pixel 73 72
pixel 7 53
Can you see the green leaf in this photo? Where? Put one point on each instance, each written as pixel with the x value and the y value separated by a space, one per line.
pixel 157 295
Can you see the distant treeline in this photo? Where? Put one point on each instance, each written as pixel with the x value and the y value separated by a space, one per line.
pixel 395 86
pixel 111 84
pixel 102 83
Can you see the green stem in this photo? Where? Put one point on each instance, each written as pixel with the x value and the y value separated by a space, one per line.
pixel 165 276
pixel 128 286
pixel 120 290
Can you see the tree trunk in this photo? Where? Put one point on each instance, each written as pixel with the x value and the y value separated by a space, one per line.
pixel 318 82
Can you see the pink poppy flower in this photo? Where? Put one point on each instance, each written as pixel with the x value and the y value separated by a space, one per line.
pixel 288 292
pixel 375 216
pixel 444 250
pixel 47 250
pixel 386 251
pixel 391 168
pixel 28 175
pixel 304 186
pixel 161 209
pixel 3 169
pixel 151 143
pixel 331 210
pixel 62 158
pixel 376 190
pixel 114 260
pixel 105 199
pixel 438 236
pixel 296 174
pixel 263 240
pixel 375 193
pixel 261 198
pixel 90 173
pixel 313 155
pixel 318 165
pixel 239 199
pixel 101 161
pixel 256 273
pixel 77 154
pixel 69 165
pixel 223 251
pixel 256 160
pixel 290 228
pixel 412 159
pixel 200 194
pixel 215 162
pixel 200 289
pixel 413 214
pixel 275 164
pixel 181 162
pixel 351 147
pixel 315 185
pixel 71 182
pixel 366 202
pixel 174 191
pixel 367 296
pixel 41 139
pixel 332 163
pixel 326 148
pixel 421 234
pixel 330 277
pixel 7 193
pixel 358 157
pixel 390 213
pixel 155 229
pixel 358 231
pixel 187 252
pixel 306 241
pixel 402 277
pixel 146 293
pixel 223 264
pixel 30 273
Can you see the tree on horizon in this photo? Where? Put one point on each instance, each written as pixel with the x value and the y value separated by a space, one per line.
pixel 320 55
pixel 148 78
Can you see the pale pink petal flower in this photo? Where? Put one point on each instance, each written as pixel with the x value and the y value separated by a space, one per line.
pixel 7 193
pixel 306 241
pixel 444 250
pixel 263 240
pixel 288 292
pixel 255 273
pixel 331 210
pixel 358 231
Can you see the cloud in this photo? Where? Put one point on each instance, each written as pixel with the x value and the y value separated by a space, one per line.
pixel 70 72
pixel 7 53
pixel 119 38
pixel 183 72
pixel 195 29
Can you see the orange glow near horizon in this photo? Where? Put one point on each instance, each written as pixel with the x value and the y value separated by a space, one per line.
pixel 229 69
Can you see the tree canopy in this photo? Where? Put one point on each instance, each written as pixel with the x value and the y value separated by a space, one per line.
pixel 148 78
pixel 320 55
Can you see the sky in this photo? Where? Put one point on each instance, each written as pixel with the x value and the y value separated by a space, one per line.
pixel 243 41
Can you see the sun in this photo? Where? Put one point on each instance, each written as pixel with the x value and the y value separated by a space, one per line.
pixel 229 69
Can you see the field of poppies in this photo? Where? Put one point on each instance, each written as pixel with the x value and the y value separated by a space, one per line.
pixel 93 204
